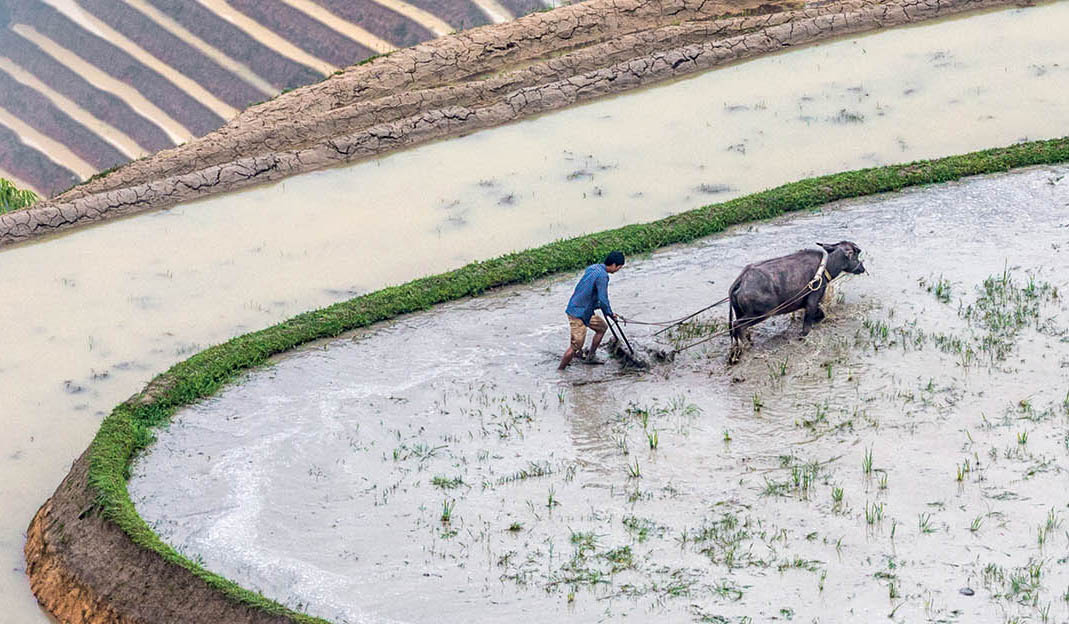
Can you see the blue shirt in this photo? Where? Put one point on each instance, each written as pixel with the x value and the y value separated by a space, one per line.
pixel 591 293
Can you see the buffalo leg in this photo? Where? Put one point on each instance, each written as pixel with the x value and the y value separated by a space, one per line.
pixel 738 330
pixel 813 313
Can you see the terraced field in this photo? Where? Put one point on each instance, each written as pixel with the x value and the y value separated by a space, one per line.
pixel 86 85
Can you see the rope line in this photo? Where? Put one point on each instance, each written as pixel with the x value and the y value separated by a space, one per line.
pixel 669 324
pixel 804 293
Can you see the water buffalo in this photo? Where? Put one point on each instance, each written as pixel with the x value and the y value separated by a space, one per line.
pixel 783 285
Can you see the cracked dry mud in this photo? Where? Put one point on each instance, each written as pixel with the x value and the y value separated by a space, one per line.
pixel 465 82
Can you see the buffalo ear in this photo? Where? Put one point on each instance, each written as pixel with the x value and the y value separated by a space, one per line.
pixel 826 247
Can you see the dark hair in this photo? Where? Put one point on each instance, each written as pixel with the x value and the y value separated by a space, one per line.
pixel 614 257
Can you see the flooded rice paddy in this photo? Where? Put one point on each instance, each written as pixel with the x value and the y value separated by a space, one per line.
pixel 906 460
pixel 94 314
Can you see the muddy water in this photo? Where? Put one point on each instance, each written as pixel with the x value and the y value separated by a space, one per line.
pixel 345 27
pixel 57 152
pixel 221 58
pixel 102 80
pixel 104 130
pixel 101 311
pixel 323 480
pixel 267 37
pixel 191 87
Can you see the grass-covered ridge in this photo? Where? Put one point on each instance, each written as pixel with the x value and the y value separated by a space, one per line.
pixel 12 198
pixel 128 429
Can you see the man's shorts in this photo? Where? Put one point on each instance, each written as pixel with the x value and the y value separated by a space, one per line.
pixel 597 323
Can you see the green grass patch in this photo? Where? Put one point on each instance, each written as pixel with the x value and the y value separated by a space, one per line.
pixel 129 428
pixel 13 198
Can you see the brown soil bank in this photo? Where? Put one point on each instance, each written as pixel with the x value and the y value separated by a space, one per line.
pixel 472 80
pixel 84 569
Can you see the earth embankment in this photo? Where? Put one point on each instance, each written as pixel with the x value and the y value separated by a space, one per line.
pixel 465 82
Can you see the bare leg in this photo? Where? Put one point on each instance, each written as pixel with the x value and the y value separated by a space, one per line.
pixel 596 342
pixel 567 358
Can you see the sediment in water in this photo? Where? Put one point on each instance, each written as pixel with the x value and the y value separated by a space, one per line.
pixel 465 82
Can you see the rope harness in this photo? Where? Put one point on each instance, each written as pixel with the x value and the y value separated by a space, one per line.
pixel 822 272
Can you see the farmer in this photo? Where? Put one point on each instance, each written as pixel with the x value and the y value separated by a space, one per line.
pixel 591 293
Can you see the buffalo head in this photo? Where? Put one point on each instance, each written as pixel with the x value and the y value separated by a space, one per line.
pixel 851 254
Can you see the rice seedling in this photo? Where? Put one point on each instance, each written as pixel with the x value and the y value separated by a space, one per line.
pixel 819 417
pixel 1053 521
pixel 447 483
pixel 634 471
pixel 882 482
pixel 551 499
pixel 977 522
pixel 652 438
pixel 447 510
pixel 515 527
pixel 757 404
pixel 620 558
pixel 1022 437
pixel 584 541
pixel 866 462
pixel 924 523
pixel 873 512
pixel 728 590
pixel 682 407
pixel 804 476
pixel 963 469
pixel 940 288
pixel 1047 527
